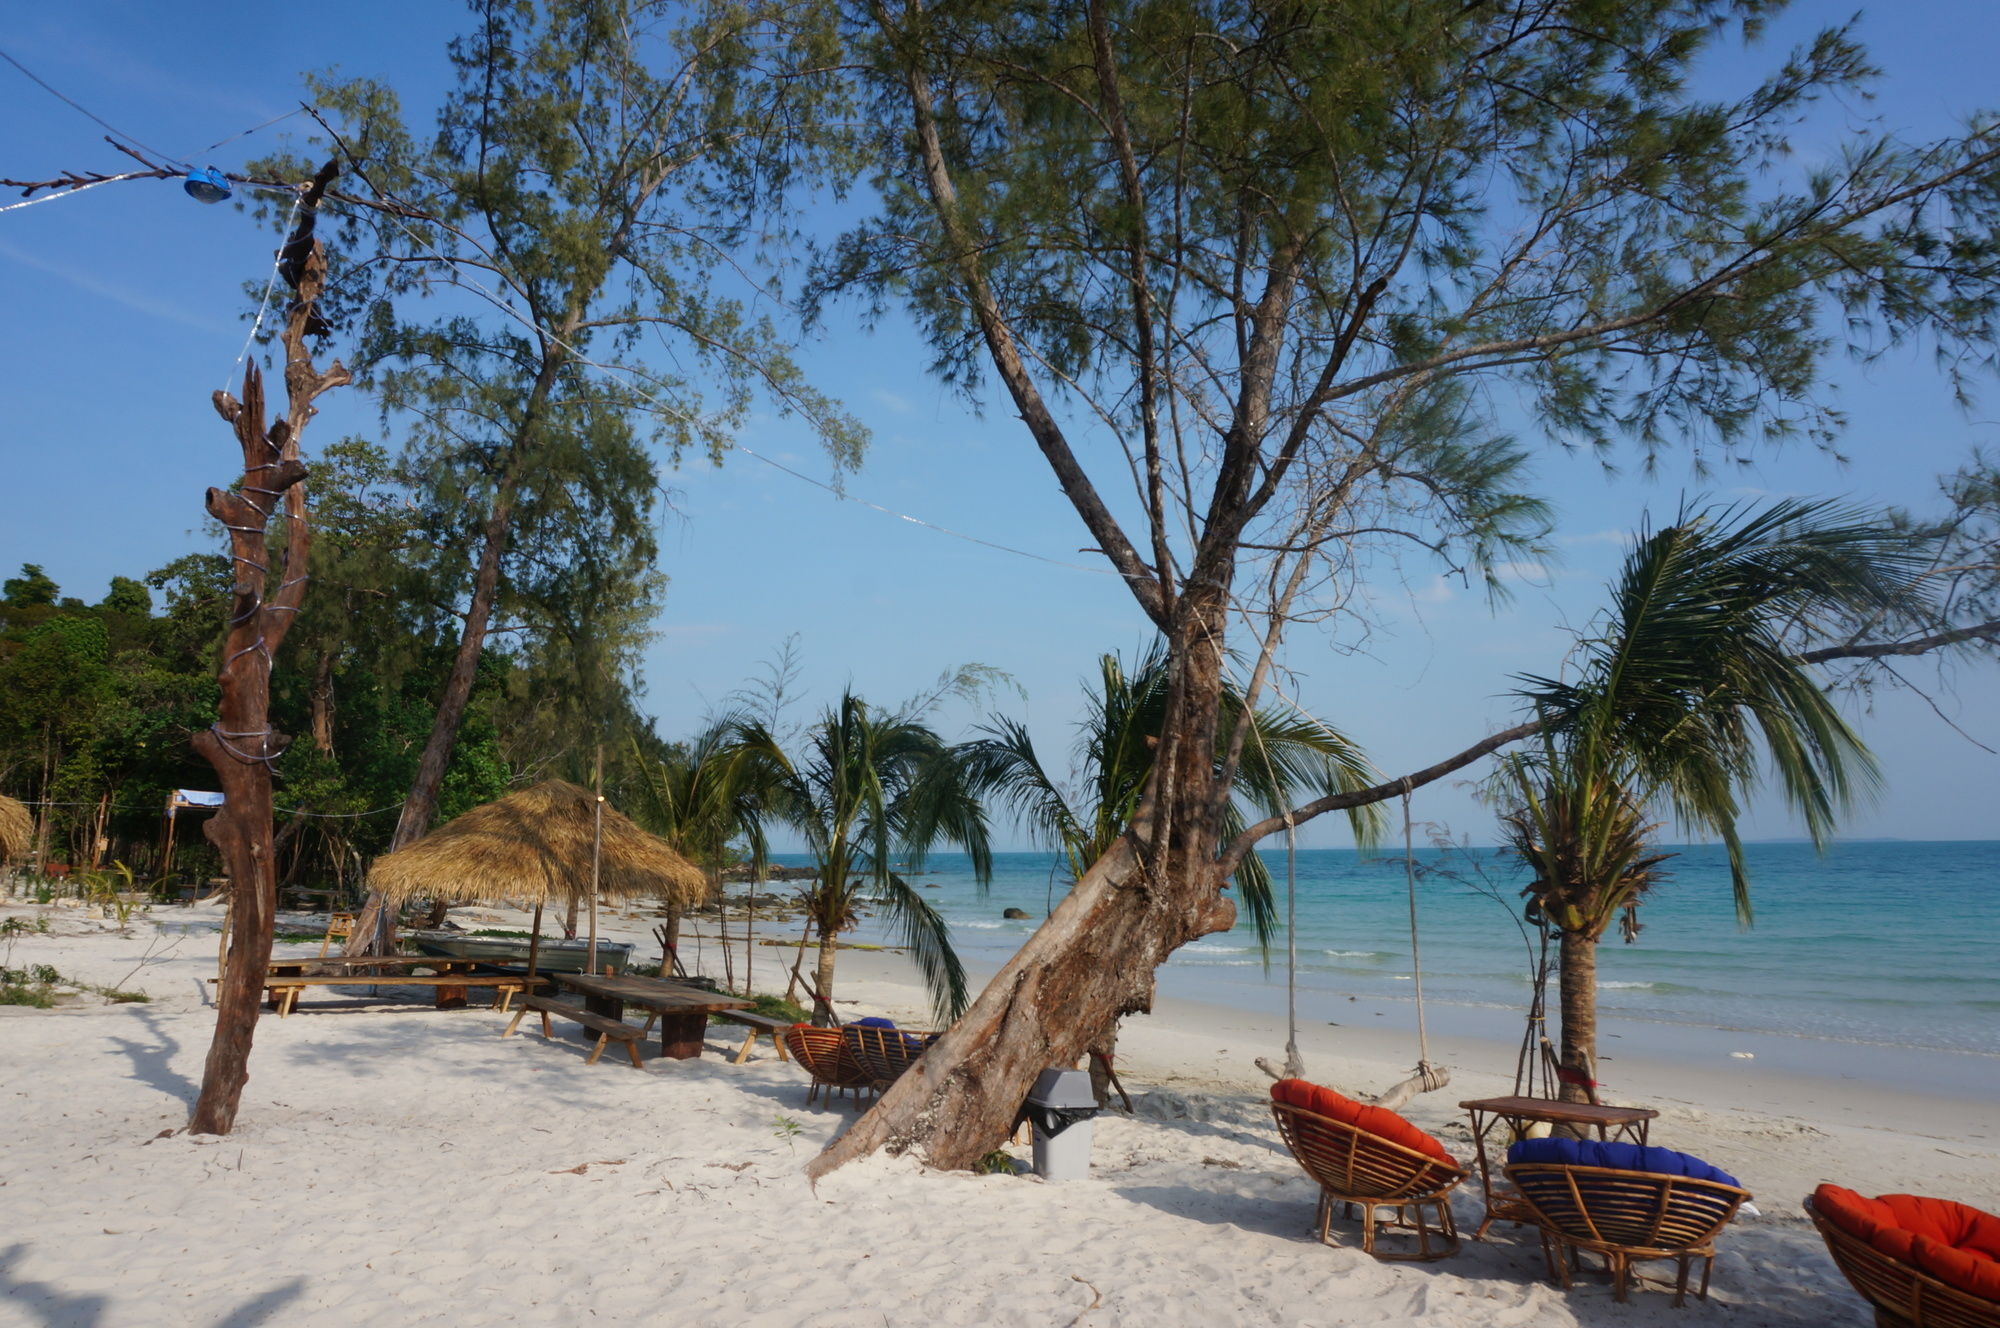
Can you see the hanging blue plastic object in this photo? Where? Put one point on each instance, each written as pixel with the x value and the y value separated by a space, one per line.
pixel 205 184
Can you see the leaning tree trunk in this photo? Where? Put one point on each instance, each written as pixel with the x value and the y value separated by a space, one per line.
pixel 241 743
pixel 1577 995
pixel 1153 891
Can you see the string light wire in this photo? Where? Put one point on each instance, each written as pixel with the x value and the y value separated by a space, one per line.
pixel 53 91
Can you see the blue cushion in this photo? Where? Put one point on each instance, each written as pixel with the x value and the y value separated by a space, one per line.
pixel 873 1021
pixel 1617 1157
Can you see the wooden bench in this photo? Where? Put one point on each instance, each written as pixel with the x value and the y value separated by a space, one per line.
pixel 607 1030
pixel 756 1023
pixel 283 991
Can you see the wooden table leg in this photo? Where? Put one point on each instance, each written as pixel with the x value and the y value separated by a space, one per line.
pixel 450 998
pixel 611 1007
pixel 681 1035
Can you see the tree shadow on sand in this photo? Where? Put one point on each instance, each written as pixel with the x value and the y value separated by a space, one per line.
pixel 48 1304
pixel 152 1062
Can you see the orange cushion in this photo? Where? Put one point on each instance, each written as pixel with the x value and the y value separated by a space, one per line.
pixel 1378 1121
pixel 1956 1243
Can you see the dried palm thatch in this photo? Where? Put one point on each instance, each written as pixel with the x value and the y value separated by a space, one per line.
pixel 17 828
pixel 534 847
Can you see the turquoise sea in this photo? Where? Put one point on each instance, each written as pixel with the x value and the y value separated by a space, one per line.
pixel 1875 944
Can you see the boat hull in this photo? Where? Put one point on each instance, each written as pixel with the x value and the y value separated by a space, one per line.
pixel 511 955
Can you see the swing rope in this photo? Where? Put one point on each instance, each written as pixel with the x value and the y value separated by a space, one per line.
pixel 1426 1078
pixel 1295 1063
pixel 1433 1078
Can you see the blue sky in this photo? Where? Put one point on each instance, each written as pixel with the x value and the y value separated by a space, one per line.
pixel 120 311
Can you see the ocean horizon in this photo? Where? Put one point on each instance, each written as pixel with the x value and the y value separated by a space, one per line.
pixel 1884 943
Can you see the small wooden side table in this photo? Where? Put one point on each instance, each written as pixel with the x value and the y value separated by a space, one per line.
pixel 1627 1123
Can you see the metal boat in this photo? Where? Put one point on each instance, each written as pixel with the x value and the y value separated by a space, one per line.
pixel 510 954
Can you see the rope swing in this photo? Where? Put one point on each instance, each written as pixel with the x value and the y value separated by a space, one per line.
pixel 1295 1064
pixel 1427 1077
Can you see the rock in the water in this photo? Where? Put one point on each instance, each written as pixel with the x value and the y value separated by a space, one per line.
pixel 1015 913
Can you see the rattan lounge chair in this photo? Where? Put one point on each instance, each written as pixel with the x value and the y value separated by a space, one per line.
pixel 1368 1158
pixel 883 1053
pixel 823 1054
pixel 1902 1294
pixel 1625 1215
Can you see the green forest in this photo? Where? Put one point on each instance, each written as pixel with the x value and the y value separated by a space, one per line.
pixel 100 695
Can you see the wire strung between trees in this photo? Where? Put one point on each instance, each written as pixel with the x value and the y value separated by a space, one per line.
pixel 72 102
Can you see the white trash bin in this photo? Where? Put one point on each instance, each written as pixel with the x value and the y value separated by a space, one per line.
pixel 1061 1107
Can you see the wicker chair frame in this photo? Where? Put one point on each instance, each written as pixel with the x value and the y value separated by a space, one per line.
pixel 1900 1295
pixel 1367 1172
pixel 1627 1217
pixel 884 1053
pixel 823 1054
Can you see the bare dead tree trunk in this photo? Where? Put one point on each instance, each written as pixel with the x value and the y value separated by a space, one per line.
pixel 241 744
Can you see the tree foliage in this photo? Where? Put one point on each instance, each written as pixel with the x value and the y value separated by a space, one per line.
pixel 1680 698
pixel 872 793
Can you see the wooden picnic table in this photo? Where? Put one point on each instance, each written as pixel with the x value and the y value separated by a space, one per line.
pixel 1629 1123
pixel 683 1010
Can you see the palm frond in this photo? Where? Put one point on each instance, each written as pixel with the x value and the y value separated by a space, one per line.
pixel 1689 689
pixel 924 931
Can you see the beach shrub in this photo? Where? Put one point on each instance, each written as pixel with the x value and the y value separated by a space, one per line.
pixel 777 1007
pixel 999 1162
pixel 16 992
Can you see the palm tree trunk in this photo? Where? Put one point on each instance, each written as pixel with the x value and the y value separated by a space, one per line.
pixel 823 980
pixel 1577 995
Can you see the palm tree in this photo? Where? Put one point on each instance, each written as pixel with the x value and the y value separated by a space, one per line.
pixel 874 790
pixel 704 796
pixel 1284 754
pixel 1680 700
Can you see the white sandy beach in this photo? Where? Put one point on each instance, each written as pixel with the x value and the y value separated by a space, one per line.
pixel 404 1165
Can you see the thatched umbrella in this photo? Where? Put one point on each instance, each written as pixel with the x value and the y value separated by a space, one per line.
pixel 17 828
pixel 540 844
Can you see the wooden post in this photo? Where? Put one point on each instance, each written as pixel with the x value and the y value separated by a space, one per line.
pixel 241 744
pixel 167 854
pixel 535 944
pixel 596 856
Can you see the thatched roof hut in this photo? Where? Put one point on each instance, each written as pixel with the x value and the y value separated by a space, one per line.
pixel 17 828
pixel 534 846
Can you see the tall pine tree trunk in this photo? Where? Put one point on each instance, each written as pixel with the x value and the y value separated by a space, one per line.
pixel 374 929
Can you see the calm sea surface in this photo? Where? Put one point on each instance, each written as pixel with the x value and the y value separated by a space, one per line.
pixel 1892 943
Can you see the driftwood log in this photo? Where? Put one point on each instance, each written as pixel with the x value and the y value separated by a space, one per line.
pixel 264 602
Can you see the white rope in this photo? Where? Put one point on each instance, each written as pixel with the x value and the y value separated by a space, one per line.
pixel 67 192
pixel 270 284
pixel 1295 1064
pixel 1424 1066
